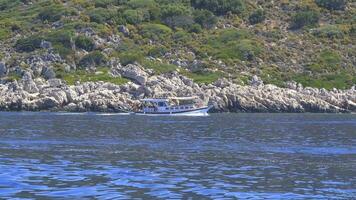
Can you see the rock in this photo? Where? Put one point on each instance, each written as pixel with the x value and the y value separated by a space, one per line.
pixel 46 45
pixel 124 30
pixel 135 73
pixel 48 73
pixel 3 70
pixel 28 84
pixel 256 81
pixel 55 83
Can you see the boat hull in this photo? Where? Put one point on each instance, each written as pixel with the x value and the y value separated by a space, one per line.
pixel 196 112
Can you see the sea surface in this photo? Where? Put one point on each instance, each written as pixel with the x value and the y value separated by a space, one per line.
pixel 223 156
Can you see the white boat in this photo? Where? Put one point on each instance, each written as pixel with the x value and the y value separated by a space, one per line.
pixel 173 106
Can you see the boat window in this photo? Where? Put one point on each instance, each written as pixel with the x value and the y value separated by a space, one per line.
pixel 161 104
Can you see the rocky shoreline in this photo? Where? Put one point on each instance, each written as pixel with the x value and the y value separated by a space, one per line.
pixel 33 93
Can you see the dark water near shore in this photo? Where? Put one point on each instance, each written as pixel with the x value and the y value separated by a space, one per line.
pixel 224 156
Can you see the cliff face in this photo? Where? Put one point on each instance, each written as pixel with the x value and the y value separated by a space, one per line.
pixel 104 55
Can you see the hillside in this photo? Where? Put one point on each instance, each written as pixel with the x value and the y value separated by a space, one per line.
pixel 311 42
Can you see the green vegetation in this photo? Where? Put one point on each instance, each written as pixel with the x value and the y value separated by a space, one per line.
pixel 85 43
pixel 203 77
pixel 93 59
pixel 220 7
pixel 159 68
pixel 232 38
pixel 304 18
pixel 257 16
pixel 332 4
pixel 102 74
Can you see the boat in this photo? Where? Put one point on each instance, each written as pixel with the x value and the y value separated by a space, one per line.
pixel 174 106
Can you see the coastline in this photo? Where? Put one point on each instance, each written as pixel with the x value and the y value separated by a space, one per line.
pixel 38 94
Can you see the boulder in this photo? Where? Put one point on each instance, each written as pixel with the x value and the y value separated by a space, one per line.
pixel 48 73
pixel 3 69
pixel 135 73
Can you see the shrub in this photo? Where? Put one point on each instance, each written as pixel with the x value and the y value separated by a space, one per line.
pixel 93 59
pixel 101 15
pixel 28 44
pixel 205 18
pixel 257 16
pixel 85 43
pixel 157 51
pixel 330 59
pixel 328 31
pixel 220 7
pixel 136 16
pixel 130 57
pixel 60 37
pixel 242 50
pixel 181 21
pixel 304 18
pixel 159 68
pixel 155 31
pixel 332 4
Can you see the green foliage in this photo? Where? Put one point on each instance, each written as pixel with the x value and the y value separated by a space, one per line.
pixel 332 4
pixel 4 33
pixel 158 67
pixel 203 77
pixel 136 16
pixel 50 14
pixel 28 44
pixel 342 80
pixel 257 16
pixel 60 37
pixel 243 50
pixel 101 15
pixel 155 31
pixel 205 18
pixel 234 44
pixel 220 7
pixel 85 43
pixel 83 76
pixel 130 57
pixel 328 31
pixel 93 59
pixel 304 18
pixel 8 4
pixel 330 60
pixel 157 51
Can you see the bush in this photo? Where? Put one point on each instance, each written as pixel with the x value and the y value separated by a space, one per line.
pixel 157 51
pixel 159 68
pixel 155 31
pixel 257 16
pixel 61 37
pixel 304 18
pixel 205 18
pixel 101 15
pixel 330 59
pixel 28 44
pixel 85 43
pixel 328 31
pixel 332 4
pixel 242 50
pixel 93 59
pixel 136 16
pixel 220 7
pixel 130 57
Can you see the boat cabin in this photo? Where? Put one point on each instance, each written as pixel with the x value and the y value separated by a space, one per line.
pixel 169 105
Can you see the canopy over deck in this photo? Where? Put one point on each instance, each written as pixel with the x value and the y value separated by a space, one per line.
pixel 156 100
